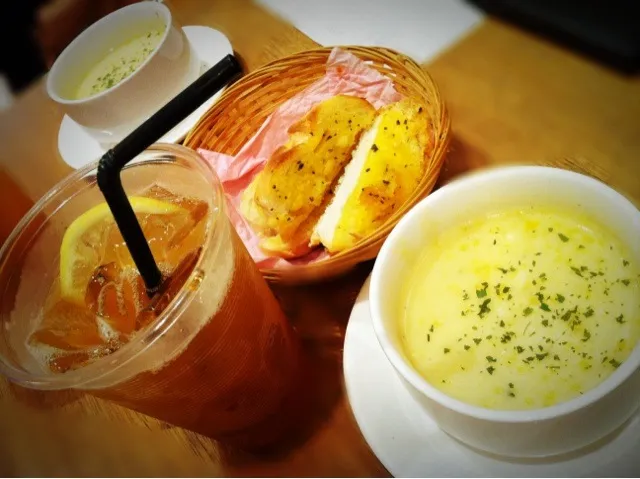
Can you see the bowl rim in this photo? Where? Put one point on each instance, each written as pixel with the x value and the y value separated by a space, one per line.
pixel 82 37
pixel 473 181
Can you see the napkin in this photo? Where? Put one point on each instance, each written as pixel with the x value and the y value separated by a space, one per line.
pixel 347 75
pixel 420 29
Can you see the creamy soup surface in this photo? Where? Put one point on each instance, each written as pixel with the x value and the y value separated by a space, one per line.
pixel 521 309
pixel 119 63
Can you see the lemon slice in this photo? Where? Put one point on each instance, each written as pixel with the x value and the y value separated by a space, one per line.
pixel 79 255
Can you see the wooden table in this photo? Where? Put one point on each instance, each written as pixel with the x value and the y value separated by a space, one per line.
pixel 512 97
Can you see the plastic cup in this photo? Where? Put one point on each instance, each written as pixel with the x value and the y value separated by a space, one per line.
pixel 220 360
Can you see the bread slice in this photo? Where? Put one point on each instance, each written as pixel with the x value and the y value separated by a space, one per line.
pixel 285 200
pixel 387 166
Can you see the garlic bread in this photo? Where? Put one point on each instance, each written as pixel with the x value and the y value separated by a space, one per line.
pixel 285 200
pixel 387 165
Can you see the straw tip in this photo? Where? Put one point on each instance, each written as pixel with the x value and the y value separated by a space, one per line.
pixel 106 169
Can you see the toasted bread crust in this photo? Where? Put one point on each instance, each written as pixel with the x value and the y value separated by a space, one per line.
pixel 286 198
pixel 392 170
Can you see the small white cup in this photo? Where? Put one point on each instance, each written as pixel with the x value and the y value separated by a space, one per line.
pixel 528 433
pixel 113 113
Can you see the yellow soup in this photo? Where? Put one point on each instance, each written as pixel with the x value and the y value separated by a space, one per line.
pixel 521 309
pixel 118 64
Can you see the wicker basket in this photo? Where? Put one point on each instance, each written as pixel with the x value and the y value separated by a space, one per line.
pixel 244 106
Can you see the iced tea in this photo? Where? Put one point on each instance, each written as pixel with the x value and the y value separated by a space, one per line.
pixel 211 351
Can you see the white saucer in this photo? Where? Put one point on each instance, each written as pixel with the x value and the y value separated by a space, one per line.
pixel 409 443
pixel 78 148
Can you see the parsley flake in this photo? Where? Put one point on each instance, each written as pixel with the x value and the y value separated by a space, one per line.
pixel 484 307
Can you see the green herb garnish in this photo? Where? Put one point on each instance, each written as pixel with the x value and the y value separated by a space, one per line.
pixel 484 307
pixel 506 337
pixel 568 313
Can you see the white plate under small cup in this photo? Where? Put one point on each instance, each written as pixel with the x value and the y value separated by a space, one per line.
pixel 78 148
pixel 410 444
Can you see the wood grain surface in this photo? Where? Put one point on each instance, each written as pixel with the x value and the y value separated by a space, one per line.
pixel 513 97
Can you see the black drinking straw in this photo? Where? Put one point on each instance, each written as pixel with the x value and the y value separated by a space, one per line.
pixel 140 139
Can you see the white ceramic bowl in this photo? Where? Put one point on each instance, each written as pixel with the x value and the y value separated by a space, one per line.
pixel 528 433
pixel 112 114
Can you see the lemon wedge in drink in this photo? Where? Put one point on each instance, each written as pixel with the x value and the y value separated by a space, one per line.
pixel 81 249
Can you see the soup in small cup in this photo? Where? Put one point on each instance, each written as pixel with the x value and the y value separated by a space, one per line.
pixel 509 303
pixel 122 69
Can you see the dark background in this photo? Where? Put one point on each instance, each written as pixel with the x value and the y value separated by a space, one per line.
pixel 34 32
